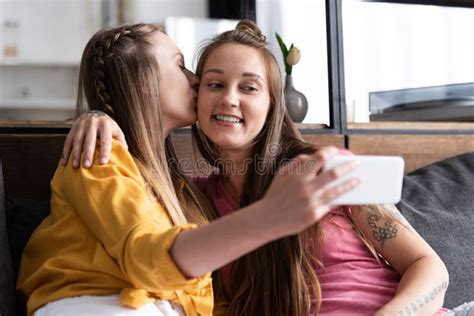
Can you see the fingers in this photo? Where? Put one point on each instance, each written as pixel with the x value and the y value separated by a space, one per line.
pixel 313 163
pixel 328 176
pixel 329 194
pixel 73 145
pixel 109 130
pixel 325 191
pixel 321 156
pixel 74 139
pixel 105 149
pixel 105 129
pixel 83 138
pixel 77 142
pixel 326 195
pixel 89 146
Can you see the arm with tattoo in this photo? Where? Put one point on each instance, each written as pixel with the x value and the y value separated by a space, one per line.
pixel 418 303
pixel 424 278
pixel 382 229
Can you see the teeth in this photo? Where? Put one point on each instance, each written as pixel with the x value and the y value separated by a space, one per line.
pixel 227 119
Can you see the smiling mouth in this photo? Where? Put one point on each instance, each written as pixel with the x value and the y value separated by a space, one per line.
pixel 228 119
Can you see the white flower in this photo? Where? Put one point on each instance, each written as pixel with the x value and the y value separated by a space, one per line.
pixel 293 57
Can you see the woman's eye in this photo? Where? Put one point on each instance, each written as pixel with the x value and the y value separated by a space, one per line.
pixel 250 88
pixel 213 85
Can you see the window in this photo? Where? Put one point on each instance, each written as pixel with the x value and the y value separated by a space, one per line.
pixel 408 61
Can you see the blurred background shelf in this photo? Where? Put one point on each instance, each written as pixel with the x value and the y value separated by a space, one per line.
pixel 37 108
pixel 37 63
pixel 36 103
pixel 35 124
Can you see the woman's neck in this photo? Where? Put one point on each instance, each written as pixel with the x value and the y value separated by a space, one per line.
pixel 236 164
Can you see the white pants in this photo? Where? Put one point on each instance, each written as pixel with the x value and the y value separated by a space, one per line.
pixel 466 309
pixel 105 306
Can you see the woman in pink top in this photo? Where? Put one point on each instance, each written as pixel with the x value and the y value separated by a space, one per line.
pixel 364 260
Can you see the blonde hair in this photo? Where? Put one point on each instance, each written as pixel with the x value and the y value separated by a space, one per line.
pixel 120 76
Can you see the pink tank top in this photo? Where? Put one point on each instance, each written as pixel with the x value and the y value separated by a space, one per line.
pixel 352 281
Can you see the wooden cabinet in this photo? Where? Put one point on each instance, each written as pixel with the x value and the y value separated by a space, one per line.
pixel 419 143
pixel 336 140
pixel 417 150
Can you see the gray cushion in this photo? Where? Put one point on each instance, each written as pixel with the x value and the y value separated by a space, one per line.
pixel 7 290
pixel 438 200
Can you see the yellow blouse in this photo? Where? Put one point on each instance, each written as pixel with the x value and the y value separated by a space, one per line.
pixel 106 236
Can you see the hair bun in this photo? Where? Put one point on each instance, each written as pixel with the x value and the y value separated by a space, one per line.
pixel 251 28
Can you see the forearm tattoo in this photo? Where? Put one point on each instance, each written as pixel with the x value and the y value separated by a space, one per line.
pixel 382 232
pixel 414 307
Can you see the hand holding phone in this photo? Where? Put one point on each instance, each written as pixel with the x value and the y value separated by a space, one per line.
pixel 381 179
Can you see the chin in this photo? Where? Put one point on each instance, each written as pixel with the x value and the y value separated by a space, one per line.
pixel 225 142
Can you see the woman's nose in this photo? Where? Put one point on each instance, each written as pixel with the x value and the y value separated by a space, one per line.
pixel 230 98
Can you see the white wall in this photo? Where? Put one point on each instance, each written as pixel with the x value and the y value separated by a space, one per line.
pixel 156 11
pixel 190 34
pixel 302 22
pixel 40 83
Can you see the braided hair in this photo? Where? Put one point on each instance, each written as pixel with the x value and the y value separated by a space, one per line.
pixel 119 75
pixel 104 51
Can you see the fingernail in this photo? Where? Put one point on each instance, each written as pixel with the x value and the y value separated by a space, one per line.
pixel 87 163
pixel 75 163
pixel 102 160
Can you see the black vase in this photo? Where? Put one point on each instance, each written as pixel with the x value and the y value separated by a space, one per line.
pixel 296 102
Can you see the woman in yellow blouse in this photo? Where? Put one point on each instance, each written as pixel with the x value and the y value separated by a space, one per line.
pixel 131 237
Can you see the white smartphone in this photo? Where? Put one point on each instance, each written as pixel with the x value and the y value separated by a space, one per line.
pixel 381 179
